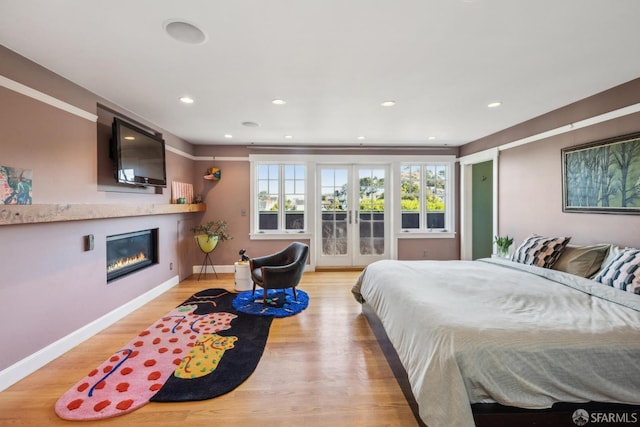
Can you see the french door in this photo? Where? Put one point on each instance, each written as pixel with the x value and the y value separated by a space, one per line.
pixel 352 230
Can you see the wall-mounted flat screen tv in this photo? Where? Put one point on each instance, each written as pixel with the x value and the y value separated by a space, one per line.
pixel 138 155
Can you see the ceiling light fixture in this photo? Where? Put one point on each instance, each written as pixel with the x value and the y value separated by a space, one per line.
pixel 431 138
pixel 288 137
pixel 184 32
pixel 227 135
pixel 361 137
pixel 278 102
pixel 186 100
pixel 494 104
pixel 388 103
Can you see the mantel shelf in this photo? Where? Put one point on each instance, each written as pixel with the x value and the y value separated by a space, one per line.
pixel 33 214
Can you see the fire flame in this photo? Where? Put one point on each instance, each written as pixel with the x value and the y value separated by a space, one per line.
pixel 125 262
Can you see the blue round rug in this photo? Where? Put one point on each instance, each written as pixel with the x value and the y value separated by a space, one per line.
pixel 280 303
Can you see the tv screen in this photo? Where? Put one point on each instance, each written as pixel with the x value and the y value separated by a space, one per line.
pixel 138 155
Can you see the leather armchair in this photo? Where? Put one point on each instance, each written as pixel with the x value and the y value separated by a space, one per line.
pixel 279 270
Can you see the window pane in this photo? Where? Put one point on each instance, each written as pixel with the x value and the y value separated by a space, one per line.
pixel 435 220
pixel 268 220
pixel 371 183
pixel 436 196
pixel 410 220
pixel 294 220
pixel 423 195
pixel 294 196
pixel 268 194
pixel 410 195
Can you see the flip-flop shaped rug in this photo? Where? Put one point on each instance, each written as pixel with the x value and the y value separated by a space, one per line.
pixel 197 351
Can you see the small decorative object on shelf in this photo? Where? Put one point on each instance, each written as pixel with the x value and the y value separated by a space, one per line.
pixel 181 190
pixel 213 174
pixel 503 244
pixel 243 255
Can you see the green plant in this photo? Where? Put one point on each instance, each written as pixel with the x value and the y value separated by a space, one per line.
pixel 213 228
pixel 503 243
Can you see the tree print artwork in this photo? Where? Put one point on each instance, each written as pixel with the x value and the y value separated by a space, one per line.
pixel 603 176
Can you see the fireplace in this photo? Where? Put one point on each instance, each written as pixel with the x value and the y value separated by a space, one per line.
pixel 130 252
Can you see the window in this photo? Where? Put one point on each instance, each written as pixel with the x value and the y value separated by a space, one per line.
pixel 280 195
pixel 424 197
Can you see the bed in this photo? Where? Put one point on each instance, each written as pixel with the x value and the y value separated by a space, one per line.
pixel 500 331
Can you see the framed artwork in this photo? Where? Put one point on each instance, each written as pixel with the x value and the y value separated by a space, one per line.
pixel 15 186
pixel 602 176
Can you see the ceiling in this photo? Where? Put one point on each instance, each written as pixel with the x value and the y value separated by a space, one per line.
pixel 334 62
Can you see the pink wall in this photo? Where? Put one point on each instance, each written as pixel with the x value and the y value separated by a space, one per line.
pixel 530 194
pixel 227 198
pixel 50 286
pixel 530 176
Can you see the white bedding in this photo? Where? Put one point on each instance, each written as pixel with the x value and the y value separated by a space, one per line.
pixel 497 331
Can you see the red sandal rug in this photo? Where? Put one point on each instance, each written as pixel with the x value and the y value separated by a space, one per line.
pixel 199 350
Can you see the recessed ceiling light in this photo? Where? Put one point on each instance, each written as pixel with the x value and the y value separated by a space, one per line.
pixel 278 102
pixel 388 103
pixel 431 138
pixel 494 104
pixel 227 135
pixel 186 99
pixel 250 124
pixel 288 137
pixel 185 32
pixel 361 137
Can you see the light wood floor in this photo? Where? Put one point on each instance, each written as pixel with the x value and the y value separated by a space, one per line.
pixel 322 367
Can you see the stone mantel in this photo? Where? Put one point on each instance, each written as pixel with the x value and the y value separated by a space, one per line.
pixel 33 214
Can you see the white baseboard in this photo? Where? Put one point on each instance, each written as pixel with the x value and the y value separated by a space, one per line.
pixel 37 360
pixel 219 269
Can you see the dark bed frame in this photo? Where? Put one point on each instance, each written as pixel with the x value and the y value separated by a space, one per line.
pixel 496 415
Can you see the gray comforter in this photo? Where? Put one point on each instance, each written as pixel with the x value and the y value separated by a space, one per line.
pixel 497 331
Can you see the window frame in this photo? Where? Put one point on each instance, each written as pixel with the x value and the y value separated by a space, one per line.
pixel 449 212
pixel 280 232
pixel 310 161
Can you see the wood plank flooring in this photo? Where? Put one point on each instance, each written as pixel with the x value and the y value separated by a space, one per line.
pixel 322 367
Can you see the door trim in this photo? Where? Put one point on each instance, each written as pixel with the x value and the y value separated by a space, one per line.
pixel 466 204
pixel 353 258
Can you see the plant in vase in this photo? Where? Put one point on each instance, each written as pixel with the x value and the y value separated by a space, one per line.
pixel 209 234
pixel 503 244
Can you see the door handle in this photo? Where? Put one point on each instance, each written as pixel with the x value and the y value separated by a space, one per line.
pixel 356 215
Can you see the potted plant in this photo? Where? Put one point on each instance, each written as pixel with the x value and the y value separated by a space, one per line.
pixel 503 244
pixel 209 234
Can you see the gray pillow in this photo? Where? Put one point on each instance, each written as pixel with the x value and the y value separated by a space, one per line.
pixel 583 261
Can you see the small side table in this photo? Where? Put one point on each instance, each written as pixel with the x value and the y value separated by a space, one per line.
pixel 242 276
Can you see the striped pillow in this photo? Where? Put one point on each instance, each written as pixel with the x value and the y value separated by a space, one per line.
pixel 540 251
pixel 623 272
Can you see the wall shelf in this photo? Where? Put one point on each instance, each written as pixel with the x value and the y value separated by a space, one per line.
pixel 34 214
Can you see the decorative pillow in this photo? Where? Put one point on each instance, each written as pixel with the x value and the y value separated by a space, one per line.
pixel 583 261
pixel 613 254
pixel 623 272
pixel 540 251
